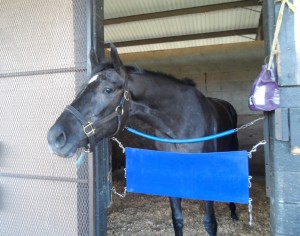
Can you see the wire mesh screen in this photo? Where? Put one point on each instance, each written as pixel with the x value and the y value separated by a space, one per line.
pixel 42 64
pixel 38 35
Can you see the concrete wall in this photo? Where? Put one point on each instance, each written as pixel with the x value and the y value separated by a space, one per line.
pixel 223 71
pixel 42 58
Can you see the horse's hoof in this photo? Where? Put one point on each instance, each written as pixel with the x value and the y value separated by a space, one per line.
pixel 234 216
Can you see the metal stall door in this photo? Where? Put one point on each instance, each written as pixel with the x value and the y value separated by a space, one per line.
pixel 42 64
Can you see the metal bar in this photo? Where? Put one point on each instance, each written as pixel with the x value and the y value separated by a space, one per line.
pixel 103 185
pixel 268 27
pixel 99 164
pixel 98 29
pixel 43 177
pixel 91 175
pixel 42 72
pixel 92 199
pixel 101 153
pixel 185 37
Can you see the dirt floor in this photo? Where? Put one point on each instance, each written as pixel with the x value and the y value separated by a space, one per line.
pixel 145 215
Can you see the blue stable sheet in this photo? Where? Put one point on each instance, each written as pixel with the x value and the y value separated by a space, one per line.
pixel 216 176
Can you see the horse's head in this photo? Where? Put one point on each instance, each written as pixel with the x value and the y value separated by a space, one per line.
pixel 99 110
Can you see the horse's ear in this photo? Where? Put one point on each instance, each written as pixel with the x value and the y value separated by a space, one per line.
pixel 94 58
pixel 117 63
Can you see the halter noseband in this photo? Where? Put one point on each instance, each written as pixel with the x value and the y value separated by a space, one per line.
pixel 89 127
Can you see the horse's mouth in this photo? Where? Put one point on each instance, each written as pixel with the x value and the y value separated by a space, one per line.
pixel 67 154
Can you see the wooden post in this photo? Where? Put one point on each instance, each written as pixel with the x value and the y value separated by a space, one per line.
pixel 284 128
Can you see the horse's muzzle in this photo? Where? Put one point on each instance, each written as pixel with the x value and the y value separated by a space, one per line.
pixel 57 140
pixel 57 137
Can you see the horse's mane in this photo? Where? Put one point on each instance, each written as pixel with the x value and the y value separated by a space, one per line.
pixel 140 71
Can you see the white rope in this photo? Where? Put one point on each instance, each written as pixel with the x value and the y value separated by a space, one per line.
pixel 277 28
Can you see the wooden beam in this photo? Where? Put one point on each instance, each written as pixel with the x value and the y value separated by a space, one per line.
pixel 184 11
pixel 184 37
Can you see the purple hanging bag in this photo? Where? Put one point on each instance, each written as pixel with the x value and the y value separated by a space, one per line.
pixel 264 94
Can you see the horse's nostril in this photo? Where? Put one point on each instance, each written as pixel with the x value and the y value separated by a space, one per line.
pixel 60 140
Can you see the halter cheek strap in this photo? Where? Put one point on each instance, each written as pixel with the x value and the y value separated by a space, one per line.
pixel 89 127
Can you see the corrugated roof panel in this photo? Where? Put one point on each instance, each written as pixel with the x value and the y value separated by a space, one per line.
pixel 235 18
pixel 231 19
pixel 117 8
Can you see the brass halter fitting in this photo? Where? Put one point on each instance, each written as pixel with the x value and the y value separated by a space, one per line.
pixel 126 95
pixel 88 129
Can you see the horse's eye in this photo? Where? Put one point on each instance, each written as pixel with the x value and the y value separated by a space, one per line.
pixel 108 90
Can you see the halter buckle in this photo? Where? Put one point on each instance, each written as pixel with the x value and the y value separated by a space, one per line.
pixel 120 110
pixel 88 129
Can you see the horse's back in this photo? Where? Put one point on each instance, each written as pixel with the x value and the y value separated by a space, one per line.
pixel 224 106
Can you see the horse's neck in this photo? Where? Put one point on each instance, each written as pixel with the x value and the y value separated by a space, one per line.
pixel 147 103
pixel 164 107
pixel 152 116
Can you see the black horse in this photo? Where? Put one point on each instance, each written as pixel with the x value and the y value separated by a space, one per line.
pixel 173 107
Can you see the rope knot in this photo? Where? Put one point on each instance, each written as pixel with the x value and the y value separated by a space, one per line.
pixel 292 8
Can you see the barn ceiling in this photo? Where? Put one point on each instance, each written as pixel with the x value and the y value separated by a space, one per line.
pixel 143 25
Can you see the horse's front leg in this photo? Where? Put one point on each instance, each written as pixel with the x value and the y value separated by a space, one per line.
pixel 209 219
pixel 233 214
pixel 177 215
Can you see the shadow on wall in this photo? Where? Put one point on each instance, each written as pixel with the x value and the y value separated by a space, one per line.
pixel 248 138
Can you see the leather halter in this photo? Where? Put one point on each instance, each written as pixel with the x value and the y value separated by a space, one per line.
pixel 89 128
